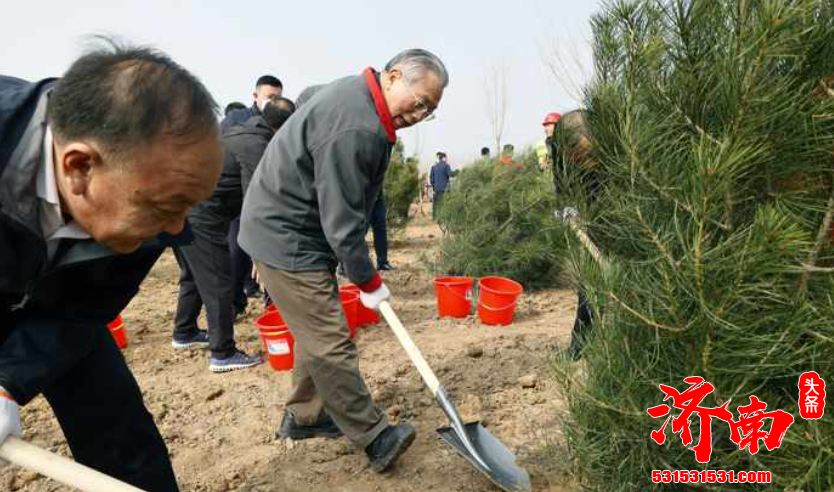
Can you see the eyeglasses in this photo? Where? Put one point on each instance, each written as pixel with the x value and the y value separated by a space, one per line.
pixel 420 107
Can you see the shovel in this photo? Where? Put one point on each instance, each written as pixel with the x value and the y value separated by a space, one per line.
pixel 472 441
pixel 570 216
pixel 58 468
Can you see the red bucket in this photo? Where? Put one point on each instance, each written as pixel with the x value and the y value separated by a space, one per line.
pixel 279 347
pixel 366 316
pixel 271 320
pixel 350 305
pixel 454 296
pixel 117 329
pixel 276 340
pixel 498 297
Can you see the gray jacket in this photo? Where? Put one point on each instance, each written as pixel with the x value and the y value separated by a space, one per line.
pixel 308 94
pixel 308 204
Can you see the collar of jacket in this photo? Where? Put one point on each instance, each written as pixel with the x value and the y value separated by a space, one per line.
pixel 18 185
pixel 381 106
pixel 89 250
pixel 255 125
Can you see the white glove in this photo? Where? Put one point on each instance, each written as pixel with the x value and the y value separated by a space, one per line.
pixel 9 418
pixel 371 300
pixel 566 214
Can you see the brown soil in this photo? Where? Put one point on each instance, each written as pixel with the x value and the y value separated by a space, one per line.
pixel 220 428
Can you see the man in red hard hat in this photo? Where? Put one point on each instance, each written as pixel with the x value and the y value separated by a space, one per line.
pixel 550 121
pixel 544 150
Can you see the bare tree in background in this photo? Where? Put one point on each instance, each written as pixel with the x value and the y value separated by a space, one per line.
pixel 497 89
pixel 417 152
pixel 418 141
pixel 568 59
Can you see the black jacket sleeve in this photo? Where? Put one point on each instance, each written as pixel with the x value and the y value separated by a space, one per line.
pixel 69 309
pixel 40 349
pixel 249 156
pixel 345 168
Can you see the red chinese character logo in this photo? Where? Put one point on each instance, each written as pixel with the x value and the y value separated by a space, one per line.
pixel 689 402
pixel 811 395
pixel 746 432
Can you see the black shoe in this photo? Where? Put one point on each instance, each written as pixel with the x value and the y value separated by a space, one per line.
pixel 385 267
pixel 290 430
pixel 389 445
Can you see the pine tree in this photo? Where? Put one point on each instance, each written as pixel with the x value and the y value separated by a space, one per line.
pixel 500 222
pixel 401 188
pixel 713 127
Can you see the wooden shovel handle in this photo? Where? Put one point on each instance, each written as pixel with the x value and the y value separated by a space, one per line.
pixel 411 349
pixel 58 468
pixel 586 241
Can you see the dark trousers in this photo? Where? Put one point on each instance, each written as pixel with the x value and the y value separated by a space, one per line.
pixel 436 203
pixel 206 278
pixel 378 224
pixel 582 324
pixel 100 409
pixel 241 268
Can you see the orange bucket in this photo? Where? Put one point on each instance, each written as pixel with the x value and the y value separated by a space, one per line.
pixel 454 296
pixel 350 305
pixel 117 329
pixel 366 316
pixel 276 340
pixel 498 297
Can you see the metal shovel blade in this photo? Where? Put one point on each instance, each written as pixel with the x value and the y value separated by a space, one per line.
pixel 502 469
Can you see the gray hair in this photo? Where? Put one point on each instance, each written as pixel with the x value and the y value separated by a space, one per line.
pixel 415 62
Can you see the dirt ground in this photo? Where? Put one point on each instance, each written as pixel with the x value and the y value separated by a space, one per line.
pixel 220 429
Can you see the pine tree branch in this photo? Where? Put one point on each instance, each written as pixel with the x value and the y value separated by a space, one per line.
pixel 815 269
pixel 685 116
pixel 822 237
pixel 514 215
pixel 665 194
pixel 641 317
pixel 665 252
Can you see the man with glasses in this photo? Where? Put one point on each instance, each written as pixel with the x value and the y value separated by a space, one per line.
pixel 307 209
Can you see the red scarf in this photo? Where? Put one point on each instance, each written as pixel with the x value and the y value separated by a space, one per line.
pixel 381 105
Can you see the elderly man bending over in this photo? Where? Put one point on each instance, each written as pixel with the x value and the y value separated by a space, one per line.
pixel 307 209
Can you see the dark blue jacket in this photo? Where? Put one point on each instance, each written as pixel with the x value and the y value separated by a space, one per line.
pixel 238 117
pixel 441 173
pixel 40 304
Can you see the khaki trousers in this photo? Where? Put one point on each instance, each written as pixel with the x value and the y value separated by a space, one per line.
pixel 326 375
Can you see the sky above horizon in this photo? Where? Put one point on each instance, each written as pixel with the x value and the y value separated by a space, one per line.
pixel 229 45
